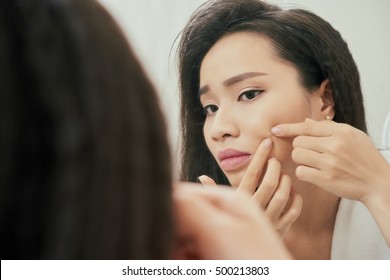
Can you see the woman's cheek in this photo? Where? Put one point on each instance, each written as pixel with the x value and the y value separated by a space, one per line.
pixel 282 150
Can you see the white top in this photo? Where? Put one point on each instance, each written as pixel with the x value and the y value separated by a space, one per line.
pixel 356 235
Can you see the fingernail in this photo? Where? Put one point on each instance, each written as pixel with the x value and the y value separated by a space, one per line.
pixel 276 130
pixel 201 178
pixel 267 143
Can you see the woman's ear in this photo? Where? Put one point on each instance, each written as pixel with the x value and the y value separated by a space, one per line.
pixel 323 102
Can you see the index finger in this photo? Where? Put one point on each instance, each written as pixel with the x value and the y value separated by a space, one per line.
pixel 309 127
pixel 250 181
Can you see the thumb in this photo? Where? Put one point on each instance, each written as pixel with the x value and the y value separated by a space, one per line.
pixel 206 181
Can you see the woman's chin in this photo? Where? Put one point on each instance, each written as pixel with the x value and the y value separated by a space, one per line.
pixel 235 179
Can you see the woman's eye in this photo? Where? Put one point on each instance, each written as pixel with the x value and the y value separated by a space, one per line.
pixel 210 109
pixel 250 94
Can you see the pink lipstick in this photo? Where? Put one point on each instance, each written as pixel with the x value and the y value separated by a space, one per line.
pixel 230 159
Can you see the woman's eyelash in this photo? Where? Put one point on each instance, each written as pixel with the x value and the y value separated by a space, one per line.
pixel 250 94
pixel 210 109
pixel 247 95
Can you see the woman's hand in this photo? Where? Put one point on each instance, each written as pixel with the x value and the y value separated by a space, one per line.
pixel 219 223
pixel 272 192
pixel 342 160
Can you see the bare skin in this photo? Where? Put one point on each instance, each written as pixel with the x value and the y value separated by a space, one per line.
pixel 342 160
pixel 272 191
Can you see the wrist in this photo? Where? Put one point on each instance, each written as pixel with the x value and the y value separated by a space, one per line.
pixel 379 200
pixel 379 207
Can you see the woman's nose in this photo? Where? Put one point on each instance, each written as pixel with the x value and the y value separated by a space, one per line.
pixel 224 125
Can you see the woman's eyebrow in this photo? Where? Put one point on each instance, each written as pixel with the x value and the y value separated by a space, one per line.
pixel 203 90
pixel 231 81
pixel 241 77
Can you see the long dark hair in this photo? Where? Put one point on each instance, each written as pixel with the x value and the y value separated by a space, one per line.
pixel 300 37
pixel 85 167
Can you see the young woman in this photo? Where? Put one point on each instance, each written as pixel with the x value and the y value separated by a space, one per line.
pixel 85 167
pixel 248 66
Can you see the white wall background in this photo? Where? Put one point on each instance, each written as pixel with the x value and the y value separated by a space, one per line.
pixel 153 25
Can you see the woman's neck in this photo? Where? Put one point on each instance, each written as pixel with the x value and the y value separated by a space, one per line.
pixel 310 237
pixel 319 207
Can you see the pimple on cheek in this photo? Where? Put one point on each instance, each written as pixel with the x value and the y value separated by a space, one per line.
pixel 282 149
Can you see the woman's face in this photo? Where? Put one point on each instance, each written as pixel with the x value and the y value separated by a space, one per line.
pixel 245 90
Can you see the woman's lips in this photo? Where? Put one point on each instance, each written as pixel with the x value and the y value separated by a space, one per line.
pixel 231 159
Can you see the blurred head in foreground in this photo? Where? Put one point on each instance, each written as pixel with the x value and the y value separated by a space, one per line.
pixel 85 168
